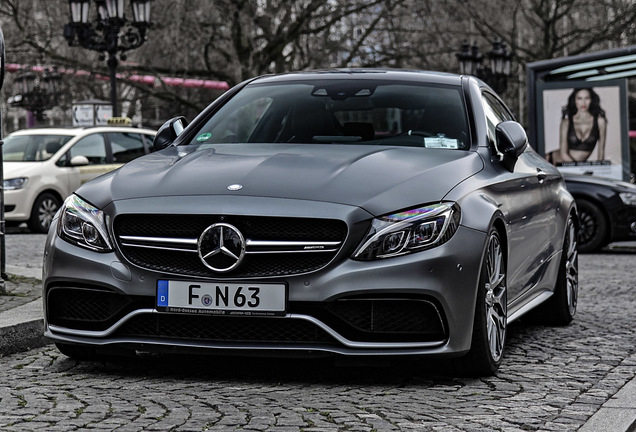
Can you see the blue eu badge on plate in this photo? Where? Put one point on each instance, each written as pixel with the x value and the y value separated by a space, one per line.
pixel 162 293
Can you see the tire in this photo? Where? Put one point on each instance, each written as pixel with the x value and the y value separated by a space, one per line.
pixel 491 313
pixel 561 307
pixel 593 231
pixel 44 208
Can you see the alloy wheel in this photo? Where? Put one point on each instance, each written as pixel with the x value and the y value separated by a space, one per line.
pixel 571 267
pixel 588 227
pixel 46 212
pixel 496 298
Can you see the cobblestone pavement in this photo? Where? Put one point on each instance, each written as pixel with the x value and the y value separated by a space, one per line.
pixel 552 379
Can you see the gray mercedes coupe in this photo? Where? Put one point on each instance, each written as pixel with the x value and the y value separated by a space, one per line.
pixel 345 212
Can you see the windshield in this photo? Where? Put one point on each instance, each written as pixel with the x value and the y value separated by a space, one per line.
pixel 342 111
pixel 32 148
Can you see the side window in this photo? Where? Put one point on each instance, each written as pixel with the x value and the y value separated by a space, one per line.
pixel 125 146
pixel 93 147
pixel 148 139
pixel 495 114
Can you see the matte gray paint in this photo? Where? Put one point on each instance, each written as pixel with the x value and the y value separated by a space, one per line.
pixel 352 183
pixel 378 179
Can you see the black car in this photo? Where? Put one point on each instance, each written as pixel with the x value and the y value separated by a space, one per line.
pixel 607 210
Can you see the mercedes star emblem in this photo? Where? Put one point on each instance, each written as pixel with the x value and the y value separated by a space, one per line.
pixel 221 247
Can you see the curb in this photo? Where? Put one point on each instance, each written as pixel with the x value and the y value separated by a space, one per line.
pixel 30 272
pixel 617 414
pixel 22 328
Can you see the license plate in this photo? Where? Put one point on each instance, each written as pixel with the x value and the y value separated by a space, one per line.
pixel 221 298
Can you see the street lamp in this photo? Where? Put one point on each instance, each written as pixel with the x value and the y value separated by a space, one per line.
pixel 3 258
pixel 36 95
pixel 496 74
pixel 110 32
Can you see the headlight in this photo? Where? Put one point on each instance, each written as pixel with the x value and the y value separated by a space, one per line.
pixel 409 231
pixel 84 225
pixel 15 183
pixel 628 198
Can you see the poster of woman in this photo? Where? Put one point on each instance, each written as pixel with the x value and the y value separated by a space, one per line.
pixel 582 129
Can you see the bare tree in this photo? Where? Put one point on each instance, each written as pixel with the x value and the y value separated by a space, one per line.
pixel 233 40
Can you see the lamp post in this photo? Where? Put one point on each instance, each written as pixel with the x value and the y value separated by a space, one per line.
pixel 110 32
pixel 496 74
pixel 3 259
pixel 36 96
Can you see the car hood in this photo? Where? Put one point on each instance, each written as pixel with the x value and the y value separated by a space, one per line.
pixel 378 179
pixel 602 181
pixel 20 169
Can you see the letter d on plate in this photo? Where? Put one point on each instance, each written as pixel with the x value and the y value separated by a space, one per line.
pixel 162 293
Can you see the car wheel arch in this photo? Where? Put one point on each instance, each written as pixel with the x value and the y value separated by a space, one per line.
pixel 500 226
pixel 34 221
pixel 475 362
pixel 53 192
pixel 575 217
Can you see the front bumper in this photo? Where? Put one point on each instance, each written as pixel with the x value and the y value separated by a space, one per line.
pixel 417 304
pixel 17 204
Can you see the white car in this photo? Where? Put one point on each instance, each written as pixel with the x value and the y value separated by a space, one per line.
pixel 44 166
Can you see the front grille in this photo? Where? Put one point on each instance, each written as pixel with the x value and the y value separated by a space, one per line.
pixel 376 320
pixel 168 243
pixel 356 319
pixel 388 315
pixel 225 329
pixel 381 319
pixel 90 308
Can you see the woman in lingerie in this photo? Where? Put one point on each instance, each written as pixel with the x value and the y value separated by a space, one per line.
pixel 583 127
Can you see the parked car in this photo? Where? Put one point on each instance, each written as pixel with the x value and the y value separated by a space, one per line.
pixel 607 210
pixel 44 166
pixel 355 212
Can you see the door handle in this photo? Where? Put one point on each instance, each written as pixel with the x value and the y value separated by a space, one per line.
pixel 541 175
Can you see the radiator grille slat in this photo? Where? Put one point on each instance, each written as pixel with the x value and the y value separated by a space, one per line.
pixel 167 243
pixel 225 329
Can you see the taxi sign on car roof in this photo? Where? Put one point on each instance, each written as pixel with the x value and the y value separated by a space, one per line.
pixel 121 121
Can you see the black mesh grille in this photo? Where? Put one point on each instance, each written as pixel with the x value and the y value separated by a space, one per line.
pixel 224 329
pixel 356 319
pixel 89 308
pixel 390 316
pixel 253 228
pixel 252 266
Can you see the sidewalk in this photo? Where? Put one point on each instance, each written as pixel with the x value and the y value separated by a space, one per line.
pixel 21 326
pixel 21 318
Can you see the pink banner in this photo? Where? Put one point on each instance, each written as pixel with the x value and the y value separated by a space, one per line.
pixel 149 80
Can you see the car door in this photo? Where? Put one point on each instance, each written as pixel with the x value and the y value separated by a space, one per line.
pixel 93 147
pixel 530 209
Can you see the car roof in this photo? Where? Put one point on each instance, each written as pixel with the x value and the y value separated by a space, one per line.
pixel 75 131
pixel 365 74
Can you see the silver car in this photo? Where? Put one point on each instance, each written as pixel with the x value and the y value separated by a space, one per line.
pixel 349 212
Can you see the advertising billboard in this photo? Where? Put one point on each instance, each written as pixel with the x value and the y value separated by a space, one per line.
pixel 583 127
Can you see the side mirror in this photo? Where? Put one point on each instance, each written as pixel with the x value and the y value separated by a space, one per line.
pixel 168 132
pixel 79 160
pixel 511 141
